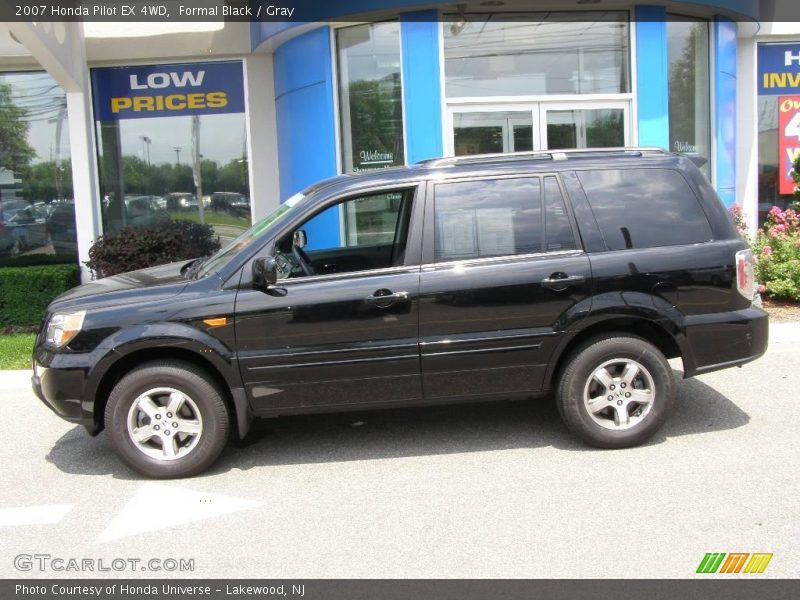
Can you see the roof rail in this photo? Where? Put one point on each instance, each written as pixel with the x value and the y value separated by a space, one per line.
pixel 538 154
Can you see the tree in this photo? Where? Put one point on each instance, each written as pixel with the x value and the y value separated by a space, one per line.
pixel 15 151
pixel 47 181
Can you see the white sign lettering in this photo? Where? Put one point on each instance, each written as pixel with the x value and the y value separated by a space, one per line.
pixel 162 80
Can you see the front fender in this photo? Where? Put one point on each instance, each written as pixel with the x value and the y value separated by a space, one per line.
pixel 144 337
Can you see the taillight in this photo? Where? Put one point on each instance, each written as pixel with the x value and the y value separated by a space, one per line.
pixel 745 278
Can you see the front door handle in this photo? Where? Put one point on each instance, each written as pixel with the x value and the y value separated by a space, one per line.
pixel 385 298
pixel 561 281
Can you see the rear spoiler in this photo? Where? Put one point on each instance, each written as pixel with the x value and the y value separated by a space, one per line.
pixel 698 160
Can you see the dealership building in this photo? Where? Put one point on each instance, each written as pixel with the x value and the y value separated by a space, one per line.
pixel 125 124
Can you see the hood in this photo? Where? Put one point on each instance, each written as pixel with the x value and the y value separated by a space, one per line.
pixel 164 280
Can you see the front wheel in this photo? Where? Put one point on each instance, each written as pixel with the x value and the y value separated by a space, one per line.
pixel 616 392
pixel 167 419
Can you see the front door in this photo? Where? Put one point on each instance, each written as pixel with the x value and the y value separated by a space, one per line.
pixel 529 126
pixel 341 328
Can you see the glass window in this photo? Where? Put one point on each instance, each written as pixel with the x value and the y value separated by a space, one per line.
pixel 689 93
pixel 558 230
pixel 769 174
pixel 492 132
pixel 377 239
pixel 149 135
pixel 585 128
pixel 490 217
pixel 37 210
pixel 491 54
pixel 644 208
pixel 370 96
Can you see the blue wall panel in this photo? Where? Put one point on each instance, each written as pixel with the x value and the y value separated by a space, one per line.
pixel 724 81
pixel 421 85
pixel 651 76
pixel 305 124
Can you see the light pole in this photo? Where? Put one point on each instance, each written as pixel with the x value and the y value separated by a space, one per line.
pixel 146 141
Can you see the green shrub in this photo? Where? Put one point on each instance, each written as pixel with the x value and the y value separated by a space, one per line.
pixel 33 260
pixel 138 247
pixel 25 292
pixel 777 250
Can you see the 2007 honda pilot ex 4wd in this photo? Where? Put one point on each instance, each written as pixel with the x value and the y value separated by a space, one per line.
pixel 478 277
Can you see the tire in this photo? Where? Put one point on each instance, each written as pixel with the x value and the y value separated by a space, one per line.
pixel 607 381
pixel 142 405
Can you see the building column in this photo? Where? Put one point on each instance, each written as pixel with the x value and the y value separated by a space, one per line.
pixel 262 139
pixel 60 49
pixel 306 124
pixel 422 94
pixel 723 79
pixel 652 77
pixel 747 131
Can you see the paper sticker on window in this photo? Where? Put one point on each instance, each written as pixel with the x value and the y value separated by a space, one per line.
pixel 457 234
pixel 495 231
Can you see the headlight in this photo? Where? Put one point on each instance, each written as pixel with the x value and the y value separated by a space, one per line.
pixel 63 327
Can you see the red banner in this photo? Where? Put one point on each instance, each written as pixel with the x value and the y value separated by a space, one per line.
pixel 788 140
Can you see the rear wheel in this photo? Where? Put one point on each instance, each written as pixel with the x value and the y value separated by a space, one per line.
pixel 167 419
pixel 616 392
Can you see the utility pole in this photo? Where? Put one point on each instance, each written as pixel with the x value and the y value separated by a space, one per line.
pixel 196 156
pixel 177 154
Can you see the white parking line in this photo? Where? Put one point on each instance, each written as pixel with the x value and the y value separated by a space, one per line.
pixel 157 506
pixel 33 515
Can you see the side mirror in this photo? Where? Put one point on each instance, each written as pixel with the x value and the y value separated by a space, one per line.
pixel 265 272
pixel 300 239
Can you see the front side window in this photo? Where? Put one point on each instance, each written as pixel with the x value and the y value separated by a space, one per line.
pixel 491 54
pixel 644 208
pixel 370 96
pixel 378 238
pixel 491 217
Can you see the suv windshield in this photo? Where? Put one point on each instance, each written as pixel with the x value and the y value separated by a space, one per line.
pixel 226 254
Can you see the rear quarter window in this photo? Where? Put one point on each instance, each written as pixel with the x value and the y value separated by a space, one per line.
pixel 644 208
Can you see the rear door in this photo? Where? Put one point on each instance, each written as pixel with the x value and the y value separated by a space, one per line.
pixel 503 275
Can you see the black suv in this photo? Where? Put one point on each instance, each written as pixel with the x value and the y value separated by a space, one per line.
pixel 578 273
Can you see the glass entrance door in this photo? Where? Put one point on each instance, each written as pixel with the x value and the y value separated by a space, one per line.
pixel 492 129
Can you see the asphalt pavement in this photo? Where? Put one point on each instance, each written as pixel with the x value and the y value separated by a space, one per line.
pixel 494 490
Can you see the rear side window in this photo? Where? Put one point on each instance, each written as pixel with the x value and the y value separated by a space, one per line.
pixel 644 208
pixel 490 217
pixel 558 230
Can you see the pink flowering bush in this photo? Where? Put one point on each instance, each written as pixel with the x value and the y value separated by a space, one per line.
pixel 777 252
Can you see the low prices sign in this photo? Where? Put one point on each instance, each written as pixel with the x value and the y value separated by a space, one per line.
pixel 168 90
pixel 788 140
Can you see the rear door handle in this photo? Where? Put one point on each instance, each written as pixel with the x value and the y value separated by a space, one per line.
pixel 385 298
pixel 561 281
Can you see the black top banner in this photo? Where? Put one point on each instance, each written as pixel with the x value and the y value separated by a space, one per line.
pixel 303 11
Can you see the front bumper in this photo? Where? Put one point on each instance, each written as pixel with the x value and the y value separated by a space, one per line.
pixel 61 390
pixel 722 340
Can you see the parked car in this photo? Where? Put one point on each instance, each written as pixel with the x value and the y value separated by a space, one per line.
pixel 61 227
pixel 234 203
pixel 144 210
pixel 180 201
pixel 26 227
pixel 574 273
